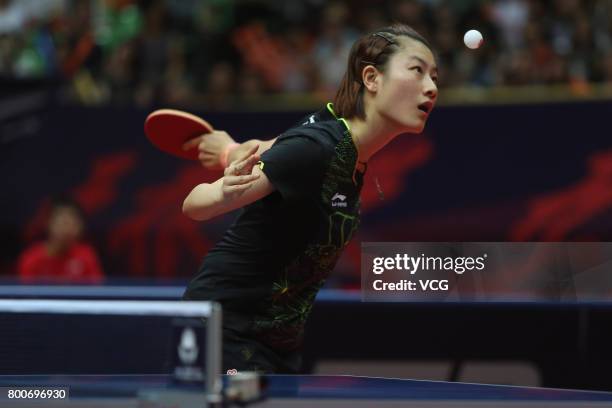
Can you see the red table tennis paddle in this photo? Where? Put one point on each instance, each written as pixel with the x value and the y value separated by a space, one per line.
pixel 169 129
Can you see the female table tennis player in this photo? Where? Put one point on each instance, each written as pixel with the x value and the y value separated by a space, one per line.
pixel 300 199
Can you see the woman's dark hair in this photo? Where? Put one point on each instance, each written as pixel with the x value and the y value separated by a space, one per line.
pixel 376 49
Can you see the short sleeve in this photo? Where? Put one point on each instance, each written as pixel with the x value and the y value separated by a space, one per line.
pixel 295 165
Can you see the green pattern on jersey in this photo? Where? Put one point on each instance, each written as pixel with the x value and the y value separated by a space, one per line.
pixel 281 324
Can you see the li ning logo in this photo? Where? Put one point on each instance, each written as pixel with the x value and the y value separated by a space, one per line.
pixel 339 200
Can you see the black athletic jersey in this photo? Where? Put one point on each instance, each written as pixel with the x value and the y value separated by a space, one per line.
pixel 270 264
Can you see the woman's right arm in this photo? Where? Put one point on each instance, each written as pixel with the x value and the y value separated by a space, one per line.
pixel 218 149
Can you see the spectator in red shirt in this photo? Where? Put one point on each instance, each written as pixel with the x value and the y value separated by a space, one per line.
pixel 62 258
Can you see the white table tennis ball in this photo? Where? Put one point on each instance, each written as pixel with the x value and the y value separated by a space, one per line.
pixel 473 39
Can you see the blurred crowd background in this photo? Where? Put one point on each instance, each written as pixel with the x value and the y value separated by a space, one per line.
pixel 215 53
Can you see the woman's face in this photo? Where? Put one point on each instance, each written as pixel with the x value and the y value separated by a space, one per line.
pixel 407 89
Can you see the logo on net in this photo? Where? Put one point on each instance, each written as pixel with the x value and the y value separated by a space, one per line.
pixel 339 200
pixel 188 347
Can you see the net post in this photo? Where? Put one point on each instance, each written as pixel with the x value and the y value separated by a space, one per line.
pixel 214 382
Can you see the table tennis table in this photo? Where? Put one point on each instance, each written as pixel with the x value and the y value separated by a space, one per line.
pixel 156 391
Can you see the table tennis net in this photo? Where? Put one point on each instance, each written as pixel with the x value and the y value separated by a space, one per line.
pixel 41 337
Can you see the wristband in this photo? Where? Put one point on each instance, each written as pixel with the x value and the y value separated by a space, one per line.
pixel 226 153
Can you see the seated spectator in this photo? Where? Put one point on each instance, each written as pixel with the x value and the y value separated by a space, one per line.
pixel 62 258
